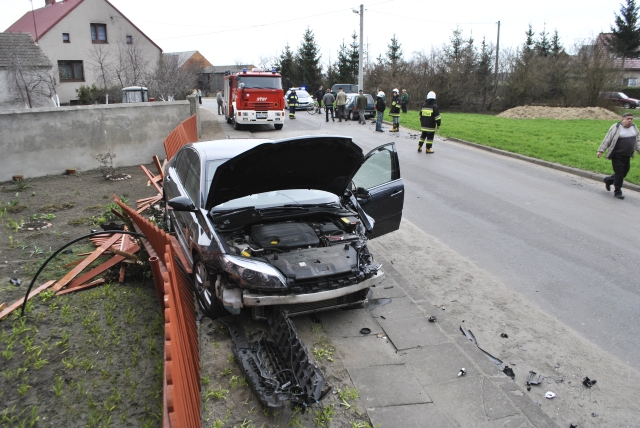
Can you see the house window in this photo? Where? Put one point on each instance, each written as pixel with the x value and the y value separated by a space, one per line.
pixel 71 71
pixel 129 40
pixel 65 38
pixel 99 33
pixel 632 81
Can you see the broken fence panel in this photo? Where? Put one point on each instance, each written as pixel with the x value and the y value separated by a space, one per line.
pixel 20 301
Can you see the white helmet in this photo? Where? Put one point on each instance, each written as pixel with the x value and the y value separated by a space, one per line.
pixel 431 95
pixel 380 94
pixel 395 90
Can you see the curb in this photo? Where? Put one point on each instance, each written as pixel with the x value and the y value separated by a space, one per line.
pixel 575 171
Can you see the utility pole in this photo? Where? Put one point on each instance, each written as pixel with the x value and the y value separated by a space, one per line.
pixel 497 53
pixel 360 54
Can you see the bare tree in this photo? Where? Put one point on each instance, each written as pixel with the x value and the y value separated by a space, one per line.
pixel 100 63
pixel 172 82
pixel 130 65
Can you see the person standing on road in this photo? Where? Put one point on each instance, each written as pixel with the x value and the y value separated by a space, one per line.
pixel 429 121
pixel 394 111
pixel 621 143
pixel 219 100
pixel 319 95
pixel 380 107
pixel 361 106
pixel 341 101
pixel 199 96
pixel 404 102
pixel 292 100
pixel 328 101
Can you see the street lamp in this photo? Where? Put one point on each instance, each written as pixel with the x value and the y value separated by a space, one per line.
pixel 360 77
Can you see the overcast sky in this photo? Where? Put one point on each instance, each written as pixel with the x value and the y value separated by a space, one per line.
pixel 243 31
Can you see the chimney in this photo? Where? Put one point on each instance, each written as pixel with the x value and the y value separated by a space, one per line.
pixel 49 2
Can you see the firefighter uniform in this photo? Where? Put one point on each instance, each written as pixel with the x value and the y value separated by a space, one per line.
pixel 292 100
pixel 394 111
pixel 429 121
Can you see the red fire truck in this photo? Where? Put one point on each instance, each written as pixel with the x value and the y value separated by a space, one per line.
pixel 253 98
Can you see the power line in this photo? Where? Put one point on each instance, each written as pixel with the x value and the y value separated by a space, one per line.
pixel 426 20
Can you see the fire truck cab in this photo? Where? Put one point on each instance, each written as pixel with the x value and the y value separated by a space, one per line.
pixel 253 98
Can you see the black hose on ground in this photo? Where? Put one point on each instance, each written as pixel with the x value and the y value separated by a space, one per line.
pixel 123 232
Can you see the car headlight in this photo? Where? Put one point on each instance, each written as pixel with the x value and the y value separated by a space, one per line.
pixel 252 273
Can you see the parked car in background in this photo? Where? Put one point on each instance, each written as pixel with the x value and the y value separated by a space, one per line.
pixel 282 223
pixel 352 112
pixel 621 99
pixel 349 88
pixel 304 98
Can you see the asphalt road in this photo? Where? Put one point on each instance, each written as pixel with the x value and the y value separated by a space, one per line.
pixel 562 241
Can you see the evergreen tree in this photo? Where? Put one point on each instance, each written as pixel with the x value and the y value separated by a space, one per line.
pixel 529 43
pixel 287 68
pixel 394 56
pixel 354 57
pixel 308 61
pixel 625 37
pixel 453 52
pixel 543 45
pixel 343 65
pixel 556 46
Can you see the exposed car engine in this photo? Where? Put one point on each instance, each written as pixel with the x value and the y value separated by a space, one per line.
pixel 312 254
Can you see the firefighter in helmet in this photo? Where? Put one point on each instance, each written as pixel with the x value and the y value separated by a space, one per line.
pixel 429 121
pixel 292 100
pixel 394 111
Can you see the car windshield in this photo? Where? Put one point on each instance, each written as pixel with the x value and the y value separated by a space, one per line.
pixel 211 170
pixel 279 197
pixel 301 94
pixel 622 95
pixel 266 82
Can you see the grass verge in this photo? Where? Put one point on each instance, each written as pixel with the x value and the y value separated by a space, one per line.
pixel 572 143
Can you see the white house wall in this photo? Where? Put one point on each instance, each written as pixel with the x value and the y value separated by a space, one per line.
pixel 77 24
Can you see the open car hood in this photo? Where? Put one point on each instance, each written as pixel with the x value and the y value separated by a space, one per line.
pixel 314 162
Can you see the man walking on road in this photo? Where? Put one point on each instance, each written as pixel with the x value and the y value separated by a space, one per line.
pixel 394 111
pixel 404 101
pixel 341 101
pixel 328 101
pixel 319 94
pixel 380 107
pixel 361 106
pixel 621 142
pixel 429 121
pixel 219 99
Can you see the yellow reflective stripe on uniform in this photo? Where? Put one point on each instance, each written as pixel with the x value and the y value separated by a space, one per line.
pixel 428 129
pixel 427 112
pixel 438 117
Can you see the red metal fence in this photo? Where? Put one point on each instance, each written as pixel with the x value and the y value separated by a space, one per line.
pixel 185 133
pixel 181 392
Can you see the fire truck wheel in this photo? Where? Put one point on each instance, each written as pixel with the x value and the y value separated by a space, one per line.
pixel 229 121
pixel 278 126
pixel 236 125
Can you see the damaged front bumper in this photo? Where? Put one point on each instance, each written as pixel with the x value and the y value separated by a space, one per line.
pixel 250 299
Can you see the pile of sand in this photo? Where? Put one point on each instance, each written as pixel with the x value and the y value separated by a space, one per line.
pixel 562 113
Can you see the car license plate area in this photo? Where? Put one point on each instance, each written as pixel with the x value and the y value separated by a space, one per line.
pixel 261 115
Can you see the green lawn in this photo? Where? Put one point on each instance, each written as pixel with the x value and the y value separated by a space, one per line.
pixel 568 142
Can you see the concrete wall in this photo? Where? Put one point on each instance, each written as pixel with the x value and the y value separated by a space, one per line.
pixel 47 141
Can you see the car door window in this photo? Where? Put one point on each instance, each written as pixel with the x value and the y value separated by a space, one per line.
pixel 182 166
pixel 192 182
pixel 376 170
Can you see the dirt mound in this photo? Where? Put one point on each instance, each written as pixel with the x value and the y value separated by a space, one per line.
pixel 562 113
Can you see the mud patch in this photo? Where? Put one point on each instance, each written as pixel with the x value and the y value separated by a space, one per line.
pixel 561 113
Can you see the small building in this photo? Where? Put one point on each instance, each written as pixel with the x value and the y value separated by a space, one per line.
pixel 193 62
pixel 213 75
pixel 89 42
pixel 26 77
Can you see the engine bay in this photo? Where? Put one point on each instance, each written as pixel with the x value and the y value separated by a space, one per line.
pixel 320 253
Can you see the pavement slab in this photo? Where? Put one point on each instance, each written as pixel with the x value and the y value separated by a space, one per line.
pixel 524 402
pixel 437 363
pixel 399 308
pixel 412 416
pixel 366 351
pixel 348 323
pixel 412 332
pixel 389 385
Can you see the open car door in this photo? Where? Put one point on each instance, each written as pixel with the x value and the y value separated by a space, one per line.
pixel 380 190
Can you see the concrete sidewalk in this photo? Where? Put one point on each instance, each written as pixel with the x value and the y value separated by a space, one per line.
pixel 409 376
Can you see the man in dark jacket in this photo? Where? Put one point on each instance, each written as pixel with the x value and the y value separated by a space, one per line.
pixel 394 111
pixel 292 100
pixel 622 141
pixel 404 101
pixel 380 107
pixel 429 122
pixel 361 106
pixel 319 94
pixel 328 101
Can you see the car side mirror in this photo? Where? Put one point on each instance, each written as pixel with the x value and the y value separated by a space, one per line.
pixel 362 195
pixel 182 203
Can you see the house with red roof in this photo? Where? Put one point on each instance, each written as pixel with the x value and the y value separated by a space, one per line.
pixel 89 42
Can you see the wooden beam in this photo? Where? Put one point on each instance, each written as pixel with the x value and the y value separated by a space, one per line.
pixel 81 287
pixel 99 269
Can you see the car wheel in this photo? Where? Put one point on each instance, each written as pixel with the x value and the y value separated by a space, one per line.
pixel 236 125
pixel 626 105
pixel 205 293
pixel 350 115
pixel 278 126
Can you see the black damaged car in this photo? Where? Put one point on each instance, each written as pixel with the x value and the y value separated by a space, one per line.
pixel 286 223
